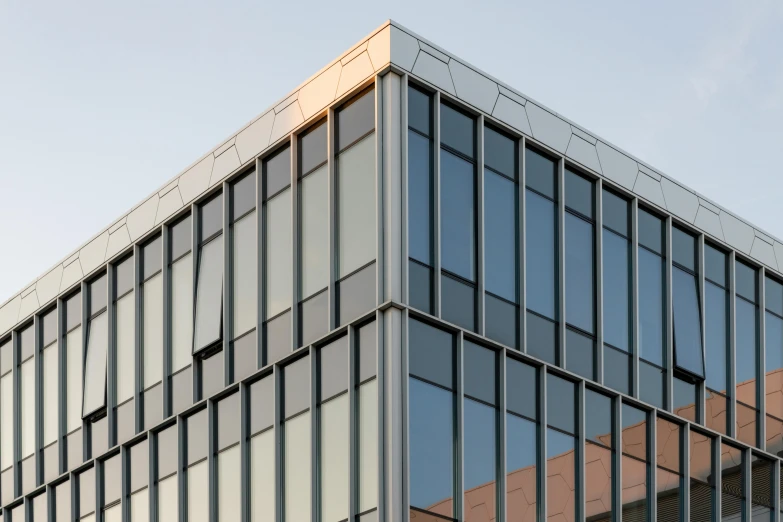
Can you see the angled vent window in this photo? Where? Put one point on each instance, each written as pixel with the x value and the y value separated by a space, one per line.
pixel 97 347
pixel 209 286
pixel 688 350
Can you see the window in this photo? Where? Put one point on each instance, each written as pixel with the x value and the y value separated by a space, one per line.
pixel 50 390
pixel 762 480
pixel 702 479
pixel 277 206
pixel 228 459
pixel 197 468
pixel 138 461
pixel 152 319
pixel 747 341
pixel 617 291
pixel 181 294
pixel 580 274
pixel 356 203
pixel 773 349
pixel 368 417
pixel 561 447
pixel 97 345
pixel 458 216
pixel 73 378
pixel 244 275
pixel 688 353
pixel 522 475
pixel 669 473
pixel 314 237
pixel 432 424
pixel 541 255
pixel 500 237
pixel 209 286
pixel 652 326
pixel 296 441
pixel 6 422
pixel 732 482
pixel 635 465
pixel 262 451
pixel 166 474
pixel 420 202
pixel 27 410
pixel 716 305
pixel 334 423
pixel 599 456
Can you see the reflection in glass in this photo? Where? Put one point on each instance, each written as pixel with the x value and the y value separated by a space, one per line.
pixel 262 477
pixel 540 255
pixel 73 383
pixel 500 235
pixel 580 291
pixel 419 197
pixel 278 254
pixel 480 460
pixel 51 394
pixel 198 492
pixel 747 351
pixel 458 219
pixel 229 489
pixel 296 468
pixel 356 206
pixel 617 290
pixel 181 312
pixel 315 232
pixel 95 365
pixel 561 475
pixel 335 459
pixel 651 324
pixel 244 274
pixel 126 348
pixel 27 407
pixel 716 315
pixel 687 323
pixel 368 445
pixel 209 295
pixel 521 469
pixel 153 330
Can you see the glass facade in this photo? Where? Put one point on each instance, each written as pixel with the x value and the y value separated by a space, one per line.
pixel 264 355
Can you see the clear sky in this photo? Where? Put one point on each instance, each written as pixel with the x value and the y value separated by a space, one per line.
pixel 102 102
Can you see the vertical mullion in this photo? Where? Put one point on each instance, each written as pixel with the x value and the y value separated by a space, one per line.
pixel 182 476
pixel 195 253
pixel 352 435
pixel 500 492
pixel 228 278
pixel 38 399
pixel 314 424
pixel 732 415
pixel 391 232
pixel 86 432
pixel 717 503
pixel 331 168
pixel 111 356
pixel 701 394
pixel 404 221
pixel 580 451
pixel 278 406
pixel 138 353
pixel 382 95
pixel 459 500
pixel 617 456
pixel 244 452
pixel 561 268
pixel 436 254
pixel 521 261
pixel 635 296
pixel 152 477
pixel 260 264
pixel 599 286
pixel 669 358
pixel 295 257
pixel 685 445
pixel 212 484
pixel 167 348
pixel 125 487
pixel 542 432
pixel 747 470
pixel 479 225
pixel 761 439
pixel 652 458
pixel 61 386
pixel 16 378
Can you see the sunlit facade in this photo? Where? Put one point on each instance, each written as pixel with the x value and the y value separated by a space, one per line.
pixel 404 293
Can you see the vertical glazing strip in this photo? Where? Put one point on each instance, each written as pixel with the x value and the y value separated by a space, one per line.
pixel 747 481
pixel 561 268
pixel 353 483
pixel 635 295
pixel 166 256
pixel 617 459
pixel 459 498
pixel 685 445
pixel 391 231
pixel 669 372
pixel 212 484
pixel 295 257
pixel 383 93
pixel 278 434
pixel 479 202
pixel 244 452
pixel 331 168
pixel 500 491
pixel 404 222
pixel 580 451
pixel 599 286
pixel 125 487
pixel 717 478
pixel 38 399
pixel 521 250
pixel 314 496
pixel 61 383
pixel 260 260
pixel 111 356
pixel 701 397
pixel 182 477
pixel 761 370
pixel 228 353
pixel 86 432
pixel 436 264
pixel 541 457
pixel 194 368
pixel 652 452
pixel 732 415
pixel 138 356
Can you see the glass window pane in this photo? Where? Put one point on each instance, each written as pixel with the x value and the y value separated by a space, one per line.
pixel 500 233
pixel 701 457
pixel 521 388
pixel 521 472
pixel 458 221
pixel 197 435
pixel 181 313
pixel 541 337
pixel 420 287
pixel 716 412
pixel 152 257
pixel 715 264
pixel 51 395
pixel 368 351
pixel 312 148
pixel 431 447
pixel 500 320
pixel 277 172
pixel 745 281
pixel 634 436
pixel 211 217
pixel 746 425
pixel 244 275
pixel 87 492
pixel 773 296
pixel 368 445
pixel 243 196
pixel 479 369
pixel 651 384
pixel 181 237
pixel 541 255
pixel 480 459
pixel 123 274
pixel 209 295
pixel 314 244
pixel 356 119
pixel 419 197
pixel 356 294
pixel 153 331
pixel 541 174
pixel 296 466
pixel 98 295
pixel 684 400
pixel 356 206
pixel 634 490
pixel 579 193
pixel 245 356
pixel 419 110
pixel 617 370
pixel 126 346
pixel 458 302
pixel 580 354
pixel 651 322
pixel 335 427
pixel 228 421
pixel 431 353
pixel 561 412
pixel 773 338
pixel 599 492
pixel 747 351
pixel 49 328
pixel 262 477
pixel 733 492
pixel 112 477
pixel 499 152
pixel 73 383
pixel 229 489
pixel 616 213
pixel 7 425
pixel 650 228
pixel 688 353
pixel 277 338
pixel 617 291
pixel 314 318
pixel 73 311
pixel 598 423
pixel 580 275
pixel 561 485
pixel 95 365
pixel 716 312
pixel 684 249
pixel 333 368
pixel 278 254
pixel 198 492
pixel 27 408
pixel 139 507
pixel 262 413
pixel 296 383
pixel 457 130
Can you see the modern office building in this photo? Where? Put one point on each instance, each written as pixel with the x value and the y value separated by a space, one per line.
pixel 406 292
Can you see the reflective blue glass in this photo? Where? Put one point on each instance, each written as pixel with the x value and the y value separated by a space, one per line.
pixel 688 353
pixel 500 233
pixel 716 316
pixel 580 354
pixel 480 444
pixel 431 445
pixel 541 173
pixel 579 193
pixel 579 273
pixel 499 152
pixel 650 229
pixel 745 281
pixel 746 351
pixel 651 325
pixel 773 342
pixel 715 265
pixel 540 255
pixel 561 409
pixel 773 296
pixel 617 370
pixel 617 290
pixel 419 197
pixel 521 443
pixel 651 384
pixel 458 223
pixel 616 212
pixel 457 130
pixel 684 249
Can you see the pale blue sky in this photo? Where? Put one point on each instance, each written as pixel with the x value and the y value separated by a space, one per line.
pixel 102 102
